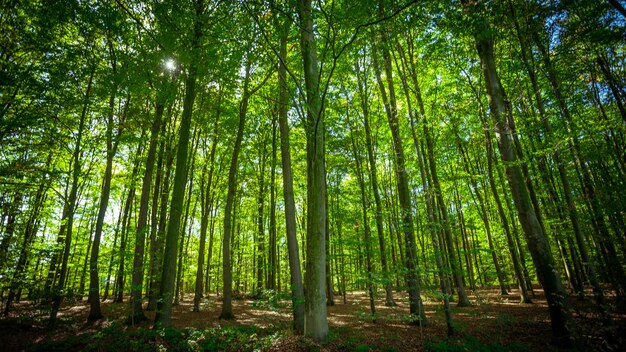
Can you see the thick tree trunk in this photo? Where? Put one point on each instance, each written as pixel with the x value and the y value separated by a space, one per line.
pixel 315 320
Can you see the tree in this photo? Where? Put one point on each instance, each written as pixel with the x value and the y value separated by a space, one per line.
pixel 164 306
pixel 562 325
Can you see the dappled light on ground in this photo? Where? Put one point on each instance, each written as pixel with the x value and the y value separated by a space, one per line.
pixel 491 319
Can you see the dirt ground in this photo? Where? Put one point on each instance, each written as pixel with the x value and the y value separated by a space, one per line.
pixel 493 322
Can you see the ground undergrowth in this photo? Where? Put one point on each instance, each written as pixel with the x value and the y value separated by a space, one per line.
pixel 263 323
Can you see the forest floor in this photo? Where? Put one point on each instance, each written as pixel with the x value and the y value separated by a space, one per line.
pixel 492 323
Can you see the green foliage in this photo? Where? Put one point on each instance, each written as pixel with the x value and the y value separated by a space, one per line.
pixel 116 337
pixel 271 300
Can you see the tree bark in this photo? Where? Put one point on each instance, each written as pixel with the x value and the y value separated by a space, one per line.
pixel 227 304
pixel 164 306
pixel 406 211
pixel 206 193
pixel 297 290
pixel 363 93
pixel 315 320
pixel 95 312
pixel 563 327
pixel 366 226
pixel 136 309
pixel 67 220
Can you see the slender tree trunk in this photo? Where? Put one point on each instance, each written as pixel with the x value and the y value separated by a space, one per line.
pixel 260 245
pixel 366 226
pixel 297 290
pixel 83 275
pixel 30 232
pixel 178 295
pixel 483 214
pixel 118 294
pixel 415 301
pixel 95 312
pixel 136 309
pixel 517 267
pixel 206 193
pixel 9 228
pixel 272 259
pixel 116 232
pixel 159 219
pixel 68 217
pixel 227 304
pixel 364 94
pixel 330 293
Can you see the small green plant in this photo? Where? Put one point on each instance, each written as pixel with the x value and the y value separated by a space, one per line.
pixel 362 348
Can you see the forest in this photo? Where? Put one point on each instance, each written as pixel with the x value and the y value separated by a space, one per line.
pixel 317 175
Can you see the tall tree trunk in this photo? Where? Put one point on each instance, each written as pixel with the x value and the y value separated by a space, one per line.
pixel 67 220
pixel 260 245
pixel 515 256
pixel 517 267
pixel 159 217
pixel 603 235
pixel 227 304
pixel 364 95
pixel 206 193
pixel 30 232
pixel 330 293
pixel 164 306
pixel 563 326
pixel 406 212
pixel 366 226
pixel 136 309
pixel 9 228
pixel 178 296
pixel 315 321
pixel 483 213
pixel 83 275
pixel 297 290
pixel 118 294
pixel 95 312
pixel 272 258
